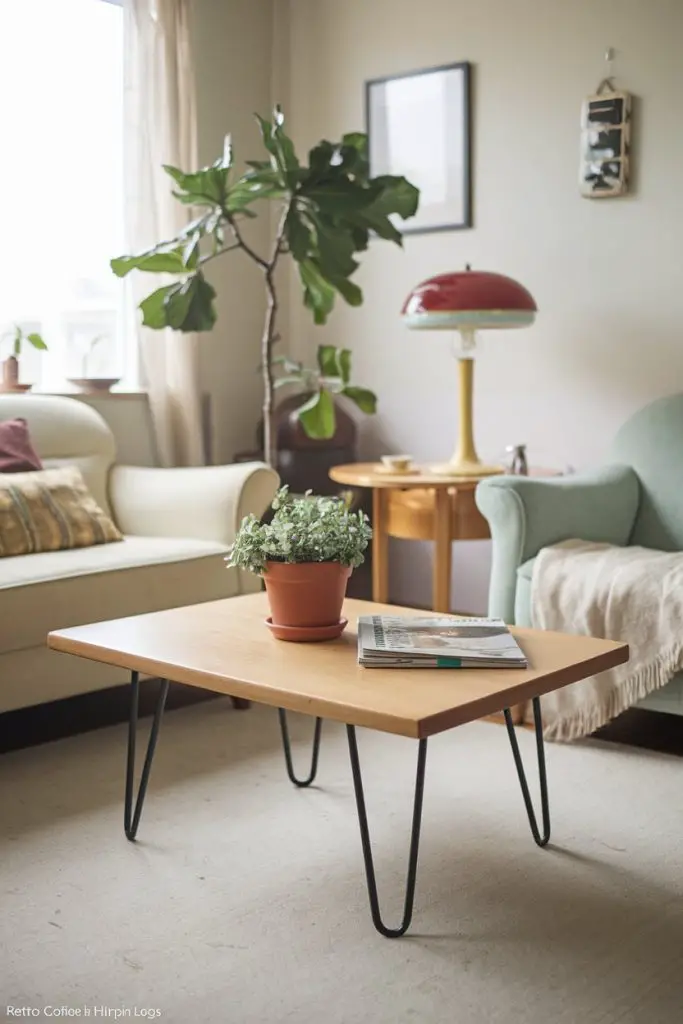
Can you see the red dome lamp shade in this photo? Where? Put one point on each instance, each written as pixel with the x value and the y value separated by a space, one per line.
pixel 467 301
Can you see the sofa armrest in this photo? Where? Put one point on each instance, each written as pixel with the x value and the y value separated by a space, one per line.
pixel 203 502
pixel 526 514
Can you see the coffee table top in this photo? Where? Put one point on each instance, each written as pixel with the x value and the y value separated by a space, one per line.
pixel 224 646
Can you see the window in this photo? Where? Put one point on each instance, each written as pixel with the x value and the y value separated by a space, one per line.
pixel 61 186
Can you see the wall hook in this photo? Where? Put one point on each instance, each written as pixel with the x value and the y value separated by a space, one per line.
pixel 607 83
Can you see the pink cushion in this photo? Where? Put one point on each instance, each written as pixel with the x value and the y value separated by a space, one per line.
pixel 17 454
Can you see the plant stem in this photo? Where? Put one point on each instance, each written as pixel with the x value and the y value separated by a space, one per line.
pixel 219 252
pixel 268 339
pixel 269 335
pixel 266 367
pixel 240 240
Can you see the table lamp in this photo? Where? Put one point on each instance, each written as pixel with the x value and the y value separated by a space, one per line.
pixel 467 301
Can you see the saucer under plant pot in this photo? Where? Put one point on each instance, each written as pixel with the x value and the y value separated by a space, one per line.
pixel 305 556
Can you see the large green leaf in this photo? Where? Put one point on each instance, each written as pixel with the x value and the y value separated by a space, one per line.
pixel 183 306
pixel 342 197
pixel 177 304
pixel 380 224
pixel 397 196
pixel 266 128
pixel 348 290
pixel 157 261
pixel 193 309
pixel 365 399
pixel 280 147
pixel 354 153
pixel 320 160
pixel 329 161
pixel 317 415
pixel 37 341
pixel 327 360
pixel 361 237
pixel 318 293
pixel 335 247
pixel 335 363
pixel 344 363
pixel 252 186
pixel 154 309
pixel 191 251
pixel 297 235
pixel 206 187
pixel 285 152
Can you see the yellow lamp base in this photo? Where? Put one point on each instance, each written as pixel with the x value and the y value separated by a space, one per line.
pixel 465 468
pixel 465 461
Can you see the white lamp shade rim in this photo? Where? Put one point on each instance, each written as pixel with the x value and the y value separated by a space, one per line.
pixel 469 319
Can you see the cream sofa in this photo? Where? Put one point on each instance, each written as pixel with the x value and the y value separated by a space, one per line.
pixel 177 525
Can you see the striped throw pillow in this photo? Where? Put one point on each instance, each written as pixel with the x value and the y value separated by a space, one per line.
pixel 50 510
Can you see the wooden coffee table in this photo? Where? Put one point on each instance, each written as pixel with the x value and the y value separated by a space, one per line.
pixel 224 646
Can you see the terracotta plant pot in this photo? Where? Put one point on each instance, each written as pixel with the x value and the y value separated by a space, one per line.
pixel 10 376
pixel 306 599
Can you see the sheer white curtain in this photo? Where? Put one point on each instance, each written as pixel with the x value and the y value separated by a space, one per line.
pixel 160 128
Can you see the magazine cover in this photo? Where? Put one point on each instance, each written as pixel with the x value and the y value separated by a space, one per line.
pixel 437 640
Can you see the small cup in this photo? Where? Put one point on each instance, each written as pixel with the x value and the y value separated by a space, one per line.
pixel 397 463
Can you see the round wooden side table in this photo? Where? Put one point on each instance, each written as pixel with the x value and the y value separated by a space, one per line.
pixel 418 506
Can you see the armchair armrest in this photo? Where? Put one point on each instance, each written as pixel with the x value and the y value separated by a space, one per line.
pixel 203 502
pixel 526 514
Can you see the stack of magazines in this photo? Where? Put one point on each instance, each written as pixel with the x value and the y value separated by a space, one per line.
pixel 387 641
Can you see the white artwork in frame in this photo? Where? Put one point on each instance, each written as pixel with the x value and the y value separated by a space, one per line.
pixel 419 126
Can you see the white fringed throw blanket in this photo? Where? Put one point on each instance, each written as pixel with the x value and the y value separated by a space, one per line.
pixel 631 594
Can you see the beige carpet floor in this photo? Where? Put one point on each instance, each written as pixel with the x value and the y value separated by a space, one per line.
pixel 244 900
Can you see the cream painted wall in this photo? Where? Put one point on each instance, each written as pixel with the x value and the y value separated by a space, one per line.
pixel 232 42
pixel 607 275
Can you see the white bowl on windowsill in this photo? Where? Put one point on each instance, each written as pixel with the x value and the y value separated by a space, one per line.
pixel 94 385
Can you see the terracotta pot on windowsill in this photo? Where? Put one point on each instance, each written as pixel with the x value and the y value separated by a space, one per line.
pixel 10 376
pixel 306 599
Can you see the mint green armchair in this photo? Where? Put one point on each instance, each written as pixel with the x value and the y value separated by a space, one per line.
pixel 636 499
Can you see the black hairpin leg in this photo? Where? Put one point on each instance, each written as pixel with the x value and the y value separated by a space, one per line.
pixel 131 817
pixel 389 933
pixel 301 783
pixel 541 840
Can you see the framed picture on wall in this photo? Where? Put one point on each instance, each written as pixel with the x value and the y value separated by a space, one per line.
pixel 419 125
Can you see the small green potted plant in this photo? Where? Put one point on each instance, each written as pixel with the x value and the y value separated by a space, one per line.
pixel 10 366
pixel 305 555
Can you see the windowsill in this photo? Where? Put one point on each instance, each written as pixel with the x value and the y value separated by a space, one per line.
pixel 127 394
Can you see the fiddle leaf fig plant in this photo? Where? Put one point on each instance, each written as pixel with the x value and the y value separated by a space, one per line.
pixel 329 207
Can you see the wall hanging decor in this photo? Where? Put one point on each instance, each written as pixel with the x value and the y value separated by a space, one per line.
pixel 605 140
pixel 419 126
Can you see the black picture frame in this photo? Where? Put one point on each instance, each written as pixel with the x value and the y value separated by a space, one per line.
pixel 436 102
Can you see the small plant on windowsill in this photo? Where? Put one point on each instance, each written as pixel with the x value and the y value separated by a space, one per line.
pixel 87 383
pixel 10 367
pixel 305 556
